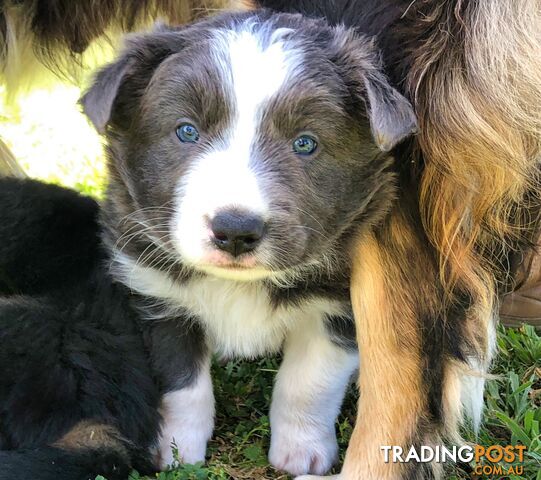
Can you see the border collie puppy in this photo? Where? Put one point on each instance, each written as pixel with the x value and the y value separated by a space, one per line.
pixel 246 154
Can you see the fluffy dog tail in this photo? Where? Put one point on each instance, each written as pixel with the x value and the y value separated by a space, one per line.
pixel 85 452
pixel 56 33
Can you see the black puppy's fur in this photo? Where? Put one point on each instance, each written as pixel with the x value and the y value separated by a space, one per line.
pixel 71 346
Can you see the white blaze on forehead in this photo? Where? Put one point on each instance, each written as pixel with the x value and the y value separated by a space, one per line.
pixel 225 176
pixel 256 75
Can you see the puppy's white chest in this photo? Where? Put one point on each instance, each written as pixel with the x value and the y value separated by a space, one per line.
pixel 239 318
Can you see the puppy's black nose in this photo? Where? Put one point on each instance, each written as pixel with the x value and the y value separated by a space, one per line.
pixel 237 232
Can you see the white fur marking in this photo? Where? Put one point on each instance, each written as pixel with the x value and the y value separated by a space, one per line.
pixel 239 318
pixel 224 177
pixel 306 400
pixel 188 421
pixel 318 477
pixel 473 382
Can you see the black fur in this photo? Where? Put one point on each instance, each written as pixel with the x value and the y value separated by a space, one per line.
pixel 71 343
pixel 342 331
pixel 49 237
pixel 54 463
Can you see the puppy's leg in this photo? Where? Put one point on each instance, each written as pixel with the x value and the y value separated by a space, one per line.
pixel 188 420
pixel 181 364
pixel 309 390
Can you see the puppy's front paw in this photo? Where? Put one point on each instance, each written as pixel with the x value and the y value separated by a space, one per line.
pixel 191 447
pixel 299 449
pixel 188 421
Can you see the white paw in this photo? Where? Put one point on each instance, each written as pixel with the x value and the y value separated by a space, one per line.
pixel 191 447
pixel 299 449
pixel 188 421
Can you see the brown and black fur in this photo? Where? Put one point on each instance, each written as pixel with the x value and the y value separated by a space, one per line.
pixel 427 282
pixel 68 37
pixel 58 32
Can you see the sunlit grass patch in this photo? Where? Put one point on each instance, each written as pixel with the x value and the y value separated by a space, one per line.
pixel 52 139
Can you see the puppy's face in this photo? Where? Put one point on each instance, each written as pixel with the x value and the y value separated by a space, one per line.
pixel 248 142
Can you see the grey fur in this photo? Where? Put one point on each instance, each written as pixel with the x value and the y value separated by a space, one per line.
pixel 317 207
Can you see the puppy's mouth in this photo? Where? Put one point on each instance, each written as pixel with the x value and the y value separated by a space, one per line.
pixel 243 268
pixel 218 259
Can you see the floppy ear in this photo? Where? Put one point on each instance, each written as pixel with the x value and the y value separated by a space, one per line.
pixel 128 75
pixel 98 100
pixel 390 114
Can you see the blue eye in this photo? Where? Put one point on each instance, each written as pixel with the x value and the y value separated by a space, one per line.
pixel 304 145
pixel 187 133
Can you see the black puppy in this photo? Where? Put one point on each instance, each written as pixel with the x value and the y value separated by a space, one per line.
pixel 77 396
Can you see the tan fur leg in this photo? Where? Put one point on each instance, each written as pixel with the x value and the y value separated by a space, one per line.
pixel 391 402
pixel 414 377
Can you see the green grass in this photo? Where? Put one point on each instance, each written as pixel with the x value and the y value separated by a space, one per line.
pixel 243 391
pixel 54 142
